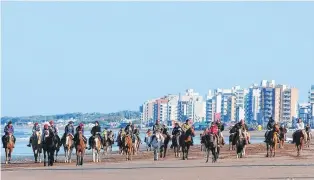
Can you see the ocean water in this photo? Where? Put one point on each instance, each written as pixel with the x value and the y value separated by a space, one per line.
pixel 22 138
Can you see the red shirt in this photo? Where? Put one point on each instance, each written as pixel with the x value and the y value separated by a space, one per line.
pixel 213 129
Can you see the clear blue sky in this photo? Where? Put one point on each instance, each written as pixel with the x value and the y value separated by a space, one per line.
pixel 105 57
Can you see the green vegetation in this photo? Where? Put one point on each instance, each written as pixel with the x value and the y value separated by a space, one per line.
pixel 82 117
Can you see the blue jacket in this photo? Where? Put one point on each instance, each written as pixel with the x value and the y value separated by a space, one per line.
pixel 69 129
pixel 8 130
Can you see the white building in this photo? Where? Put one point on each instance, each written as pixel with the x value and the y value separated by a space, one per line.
pixel 191 105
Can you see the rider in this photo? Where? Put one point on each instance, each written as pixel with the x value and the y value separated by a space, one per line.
pixel 157 126
pixel 308 127
pixel 221 127
pixel 8 129
pixel 79 128
pixel 243 126
pixel 175 131
pixel 299 127
pixel 95 130
pixel 54 129
pixel 129 129
pixel 69 129
pixel 36 128
pixel 186 126
pixel 137 134
pixel 270 126
pixel 46 127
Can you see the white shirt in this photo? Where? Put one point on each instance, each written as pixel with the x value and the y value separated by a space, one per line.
pixel 300 126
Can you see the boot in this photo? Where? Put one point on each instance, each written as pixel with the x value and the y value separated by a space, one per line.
pixel 29 143
pixel 222 141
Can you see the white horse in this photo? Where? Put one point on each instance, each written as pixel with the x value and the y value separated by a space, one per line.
pixel 240 144
pixel 157 141
pixel 68 148
pixel 96 149
pixel 147 142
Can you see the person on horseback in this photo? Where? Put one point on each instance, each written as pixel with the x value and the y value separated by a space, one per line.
pixel 95 130
pixel 243 126
pixel 46 128
pixel 186 126
pixel 157 126
pixel 177 129
pixel 307 128
pixel 299 127
pixel 137 134
pixel 129 129
pixel 69 129
pixel 79 128
pixel 283 129
pixel 270 126
pixel 36 128
pixel 221 127
pixel 8 129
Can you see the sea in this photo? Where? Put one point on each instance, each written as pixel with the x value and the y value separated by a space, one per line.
pixel 23 134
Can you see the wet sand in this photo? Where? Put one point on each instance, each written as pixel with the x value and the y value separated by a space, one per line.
pixel 254 166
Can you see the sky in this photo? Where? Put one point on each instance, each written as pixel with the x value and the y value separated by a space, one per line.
pixel 105 57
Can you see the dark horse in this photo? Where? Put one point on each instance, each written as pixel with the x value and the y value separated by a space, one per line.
pixel 186 142
pixel 272 142
pixel 164 148
pixel 211 144
pixel 49 147
pixel 299 140
pixel 58 144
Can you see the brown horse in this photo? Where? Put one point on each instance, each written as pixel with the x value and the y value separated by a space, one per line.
pixel 282 138
pixel 164 148
pixel 68 148
pixel 309 137
pixel 271 145
pixel 9 146
pixel 176 144
pixel 128 147
pixel 80 149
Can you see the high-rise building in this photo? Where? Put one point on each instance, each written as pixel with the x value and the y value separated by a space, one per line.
pixel 231 109
pixel 147 111
pixel 191 105
pixel 279 102
pixel 304 112
pixel 253 104
pixel 311 104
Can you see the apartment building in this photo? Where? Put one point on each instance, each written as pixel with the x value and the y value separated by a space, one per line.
pixel 253 104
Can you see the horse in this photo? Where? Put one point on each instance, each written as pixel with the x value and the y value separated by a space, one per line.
pixel 107 142
pixel 36 146
pixel 136 144
pixel 299 140
pixel 164 147
pixel 128 147
pixel 309 137
pixel 271 144
pixel 176 144
pixel 231 141
pixel 48 147
pixel 186 142
pixel 96 148
pixel 282 138
pixel 240 143
pixel 68 148
pixel 80 149
pixel 211 144
pixel 9 146
pixel 157 143
pixel 58 144
pixel 147 142
pixel 120 143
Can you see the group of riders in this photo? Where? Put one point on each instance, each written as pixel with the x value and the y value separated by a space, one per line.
pixel 69 130
pixel 215 128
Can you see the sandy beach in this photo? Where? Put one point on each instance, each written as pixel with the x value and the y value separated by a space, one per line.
pixel 254 166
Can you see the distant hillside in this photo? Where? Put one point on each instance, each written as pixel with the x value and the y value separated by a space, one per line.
pixel 86 117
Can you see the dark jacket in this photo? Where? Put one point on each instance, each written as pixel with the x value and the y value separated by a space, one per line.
pixel 157 126
pixel 270 124
pixel 129 129
pixel 307 128
pixel 220 125
pixel 239 125
pixel 95 130
pixel 69 129
pixel 283 130
pixel 79 128
pixel 176 130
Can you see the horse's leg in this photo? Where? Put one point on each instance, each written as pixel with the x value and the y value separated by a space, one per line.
pixel 45 157
pixel 165 150
pixel 267 149
pixel 187 151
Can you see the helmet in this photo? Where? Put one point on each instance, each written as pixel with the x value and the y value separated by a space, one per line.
pixel 96 122
pixel 10 122
pixel 81 125
pixel 70 122
pixel 36 123
pixel 46 126
pixel 51 122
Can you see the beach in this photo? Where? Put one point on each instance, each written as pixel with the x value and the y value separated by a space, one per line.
pixel 114 166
